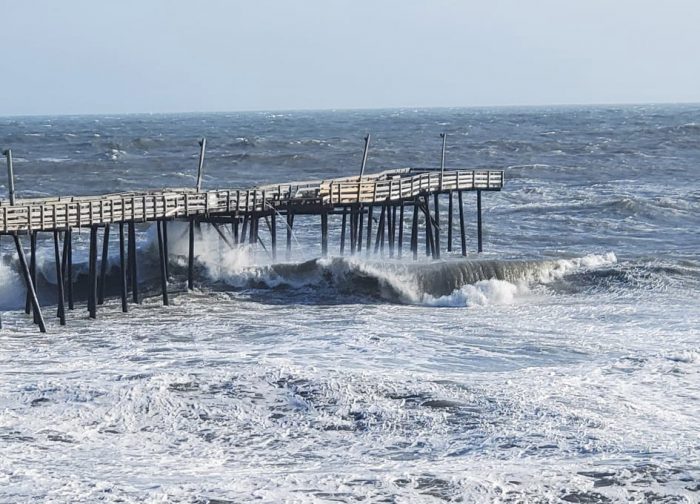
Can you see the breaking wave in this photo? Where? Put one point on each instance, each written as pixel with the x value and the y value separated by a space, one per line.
pixel 454 282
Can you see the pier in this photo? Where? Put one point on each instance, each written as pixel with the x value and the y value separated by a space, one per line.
pixel 380 214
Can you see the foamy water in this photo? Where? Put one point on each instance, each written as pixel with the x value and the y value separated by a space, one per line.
pixel 562 364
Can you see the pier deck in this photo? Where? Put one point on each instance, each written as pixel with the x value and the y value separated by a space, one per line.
pixel 61 213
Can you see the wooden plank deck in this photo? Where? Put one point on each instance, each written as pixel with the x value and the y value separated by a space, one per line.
pixel 65 212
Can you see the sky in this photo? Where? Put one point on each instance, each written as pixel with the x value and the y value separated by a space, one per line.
pixel 78 57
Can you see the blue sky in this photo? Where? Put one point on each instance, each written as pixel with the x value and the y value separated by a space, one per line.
pixel 73 57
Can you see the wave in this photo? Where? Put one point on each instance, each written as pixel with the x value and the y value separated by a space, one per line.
pixel 454 282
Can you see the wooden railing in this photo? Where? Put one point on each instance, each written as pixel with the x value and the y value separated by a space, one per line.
pixel 69 212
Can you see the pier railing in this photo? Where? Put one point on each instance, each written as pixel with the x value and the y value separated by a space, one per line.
pixel 47 214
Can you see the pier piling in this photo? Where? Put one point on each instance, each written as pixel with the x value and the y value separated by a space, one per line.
pixel 31 290
pixel 163 260
pixel 104 262
pixel 478 221
pixel 61 313
pixel 122 269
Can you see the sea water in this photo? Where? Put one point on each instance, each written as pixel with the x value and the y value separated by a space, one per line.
pixel 563 363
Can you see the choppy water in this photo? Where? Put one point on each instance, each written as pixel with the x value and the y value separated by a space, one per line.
pixel 562 364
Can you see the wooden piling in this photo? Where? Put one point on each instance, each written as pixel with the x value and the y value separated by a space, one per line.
pixel 450 211
pixel 32 271
pixel 163 259
pixel 103 265
pixel 273 234
pixel 414 230
pixel 478 220
pixel 59 281
pixel 290 225
pixel 133 263
pixel 353 231
pixel 343 225
pixel 166 254
pixel 92 273
pixel 436 251
pixel 361 212
pixel 369 229
pixel 28 282
pixel 244 230
pixel 122 269
pixel 324 234
pixel 462 231
pixel 400 244
pixel 68 270
pixel 430 233
pixel 234 230
pixel 379 239
pixel 190 257
pixel 391 227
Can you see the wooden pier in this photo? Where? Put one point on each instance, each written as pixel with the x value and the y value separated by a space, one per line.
pixel 378 212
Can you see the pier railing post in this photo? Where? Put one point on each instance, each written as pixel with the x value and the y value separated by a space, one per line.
pixel 10 176
pixel 442 158
pixel 200 168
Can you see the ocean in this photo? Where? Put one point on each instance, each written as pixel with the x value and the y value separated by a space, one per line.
pixel 560 365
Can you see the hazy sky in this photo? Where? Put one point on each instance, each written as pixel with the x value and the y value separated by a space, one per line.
pixel 71 56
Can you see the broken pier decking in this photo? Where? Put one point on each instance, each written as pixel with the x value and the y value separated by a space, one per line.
pixel 356 198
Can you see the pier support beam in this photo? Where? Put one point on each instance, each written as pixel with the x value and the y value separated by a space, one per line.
pixel 190 258
pixel 379 239
pixel 273 234
pixel 244 229
pixel 166 254
pixel 414 230
pixel 103 265
pixel 92 273
pixel 462 231
pixel 391 227
pixel 133 268
pixel 32 271
pixel 478 220
pixel 163 260
pixel 67 265
pixel 400 244
pixel 122 268
pixel 343 225
pixel 324 234
pixel 360 226
pixel 290 226
pixel 59 281
pixel 28 282
pixel 369 229
pixel 436 250
pixel 450 211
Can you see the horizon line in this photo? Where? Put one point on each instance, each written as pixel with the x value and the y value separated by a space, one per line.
pixel 359 109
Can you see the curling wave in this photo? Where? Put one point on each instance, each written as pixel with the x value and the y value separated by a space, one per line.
pixel 455 282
